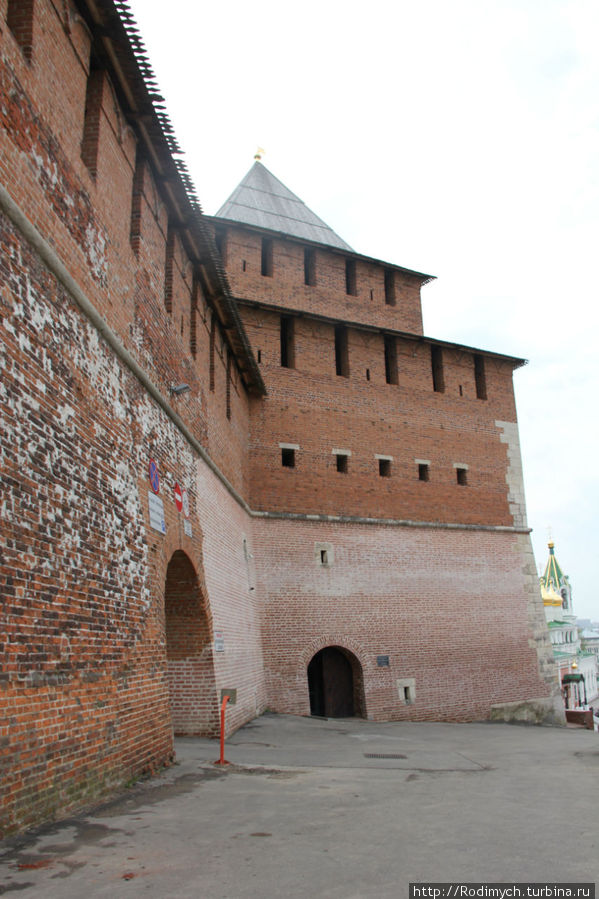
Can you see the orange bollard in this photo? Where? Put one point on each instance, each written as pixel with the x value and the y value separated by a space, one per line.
pixel 223 706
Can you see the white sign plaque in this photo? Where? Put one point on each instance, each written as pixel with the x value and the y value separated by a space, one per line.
pixel 156 507
pixel 219 641
pixel 187 527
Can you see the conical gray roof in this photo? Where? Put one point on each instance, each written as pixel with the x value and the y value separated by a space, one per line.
pixel 263 201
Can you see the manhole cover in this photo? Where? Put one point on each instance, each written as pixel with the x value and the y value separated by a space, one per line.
pixel 384 755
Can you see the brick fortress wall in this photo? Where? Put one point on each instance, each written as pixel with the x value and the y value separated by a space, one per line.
pixel 115 632
pixel 96 601
pixel 447 610
pixel 423 564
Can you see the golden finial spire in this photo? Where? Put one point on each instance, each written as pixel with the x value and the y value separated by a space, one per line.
pixel 259 154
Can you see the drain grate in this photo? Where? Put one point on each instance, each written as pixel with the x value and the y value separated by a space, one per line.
pixel 384 755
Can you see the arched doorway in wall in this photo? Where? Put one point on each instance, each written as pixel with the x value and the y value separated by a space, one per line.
pixel 190 668
pixel 335 684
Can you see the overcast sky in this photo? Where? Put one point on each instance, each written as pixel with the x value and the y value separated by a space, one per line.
pixel 459 139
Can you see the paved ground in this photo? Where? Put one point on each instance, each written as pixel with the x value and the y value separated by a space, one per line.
pixel 343 809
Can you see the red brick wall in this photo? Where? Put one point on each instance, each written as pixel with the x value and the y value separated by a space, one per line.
pixel 93 680
pixel 84 576
pixel 19 18
pixel 188 649
pixel 448 607
pixel 89 222
pixel 229 563
pixel 327 297
pixel 314 408
pixel 82 622
pixel 84 683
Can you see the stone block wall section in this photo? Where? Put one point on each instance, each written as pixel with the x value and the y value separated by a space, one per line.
pixel 533 712
pixel 514 476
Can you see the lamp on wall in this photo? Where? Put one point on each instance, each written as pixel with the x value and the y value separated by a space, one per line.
pixel 178 389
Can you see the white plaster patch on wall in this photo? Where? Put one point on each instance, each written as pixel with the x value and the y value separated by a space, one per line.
pixel 72 498
pixel 47 566
pixel 106 375
pixel 147 417
pixel 29 404
pixel 3 453
pixel 70 543
pixel 45 168
pixel 39 316
pixel 514 475
pixel 21 405
pixel 99 430
pixel 66 414
pixel 155 425
pixel 124 487
pixel 18 375
pixel 137 338
pixel 84 514
pixel 117 528
pixel 95 245
pixel 18 309
pixel 24 342
pixel 87 355
pixel 8 326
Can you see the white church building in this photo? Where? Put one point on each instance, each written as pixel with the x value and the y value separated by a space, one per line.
pixel 575 667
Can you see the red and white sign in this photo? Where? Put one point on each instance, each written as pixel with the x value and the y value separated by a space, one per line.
pixel 178 497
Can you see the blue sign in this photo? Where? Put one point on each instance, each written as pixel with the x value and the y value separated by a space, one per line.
pixel 154 477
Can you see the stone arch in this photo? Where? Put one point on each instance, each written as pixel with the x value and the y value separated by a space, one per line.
pixel 189 657
pixel 335 683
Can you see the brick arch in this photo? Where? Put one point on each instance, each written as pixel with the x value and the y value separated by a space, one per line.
pixel 189 657
pixel 192 549
pixel 353 652
pixel 330 639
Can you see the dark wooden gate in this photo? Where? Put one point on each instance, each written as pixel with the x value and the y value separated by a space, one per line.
pixel 331 684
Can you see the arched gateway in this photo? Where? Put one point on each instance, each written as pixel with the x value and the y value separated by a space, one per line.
pixel 188 650
pixel 335 684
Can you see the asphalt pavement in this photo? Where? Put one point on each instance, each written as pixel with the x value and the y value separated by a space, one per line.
pixel 338 808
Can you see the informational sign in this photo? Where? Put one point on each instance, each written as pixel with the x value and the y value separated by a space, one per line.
pixel 382 661
pixel 156 508
pixel 154 477
pixel 178 498
pixel 185 496
pixel 219 641
pixel 187 527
